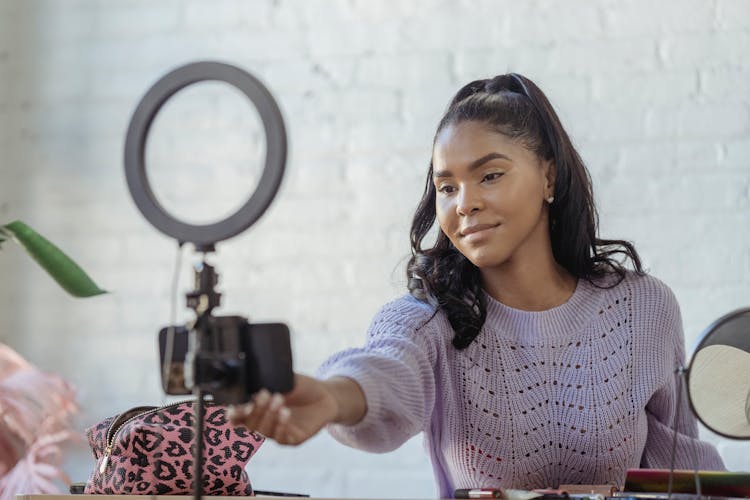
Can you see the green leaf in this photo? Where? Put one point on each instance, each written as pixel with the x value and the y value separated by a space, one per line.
pixel 61 267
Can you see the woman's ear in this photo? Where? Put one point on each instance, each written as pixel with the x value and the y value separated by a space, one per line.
pixel 549 171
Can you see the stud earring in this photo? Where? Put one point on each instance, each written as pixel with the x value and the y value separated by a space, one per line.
pixel 550 200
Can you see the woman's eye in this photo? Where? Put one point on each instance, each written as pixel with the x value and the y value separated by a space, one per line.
pixel 446 188
pixel 493 176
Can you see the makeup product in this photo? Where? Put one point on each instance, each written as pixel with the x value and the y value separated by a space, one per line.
pixel 507 494
pixel 478 493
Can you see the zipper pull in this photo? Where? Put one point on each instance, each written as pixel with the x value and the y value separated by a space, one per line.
pixel 105 460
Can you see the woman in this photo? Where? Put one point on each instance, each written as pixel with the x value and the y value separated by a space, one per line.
pixel 526 353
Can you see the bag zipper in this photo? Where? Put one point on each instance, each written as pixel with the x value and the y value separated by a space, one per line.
pixel 114 429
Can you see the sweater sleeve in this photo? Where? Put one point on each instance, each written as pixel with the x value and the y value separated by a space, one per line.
pixel 669 401
pixel 395 371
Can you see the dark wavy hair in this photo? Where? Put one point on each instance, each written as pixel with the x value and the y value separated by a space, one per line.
pixel 515 107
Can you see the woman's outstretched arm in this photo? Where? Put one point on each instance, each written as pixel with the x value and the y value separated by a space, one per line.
pixel 295 417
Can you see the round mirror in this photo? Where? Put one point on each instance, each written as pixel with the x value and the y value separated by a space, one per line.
pixel 719 376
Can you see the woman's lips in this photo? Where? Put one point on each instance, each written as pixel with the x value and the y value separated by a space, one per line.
pixel 477 232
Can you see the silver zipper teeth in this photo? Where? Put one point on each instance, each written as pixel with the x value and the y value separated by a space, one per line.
pixel 112 431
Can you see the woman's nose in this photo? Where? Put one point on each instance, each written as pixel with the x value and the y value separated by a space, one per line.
pixel 468 202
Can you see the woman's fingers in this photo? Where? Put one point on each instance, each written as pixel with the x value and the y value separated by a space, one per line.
pixel 281 426
pixel 287 432
pixel 268 420
pixel 289 419
pixel 272 424
pixel 262 415
pixel 237 414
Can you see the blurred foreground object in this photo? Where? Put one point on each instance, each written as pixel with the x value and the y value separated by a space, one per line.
pixel 67 273
pixel 35 412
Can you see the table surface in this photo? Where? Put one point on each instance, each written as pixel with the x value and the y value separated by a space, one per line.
pixel 150 497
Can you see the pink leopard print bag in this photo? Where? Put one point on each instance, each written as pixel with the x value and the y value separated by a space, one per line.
pixel 149 451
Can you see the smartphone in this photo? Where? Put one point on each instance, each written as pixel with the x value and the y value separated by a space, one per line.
pixel 237 359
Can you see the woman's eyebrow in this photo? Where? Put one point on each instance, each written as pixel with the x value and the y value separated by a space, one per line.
pixel 473 165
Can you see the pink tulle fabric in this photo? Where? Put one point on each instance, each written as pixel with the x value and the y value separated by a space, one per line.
pixel 35 411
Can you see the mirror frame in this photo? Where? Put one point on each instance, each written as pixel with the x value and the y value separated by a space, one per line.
pixel 703 340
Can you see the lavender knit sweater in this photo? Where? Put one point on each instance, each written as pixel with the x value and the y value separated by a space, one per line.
pixel 575 394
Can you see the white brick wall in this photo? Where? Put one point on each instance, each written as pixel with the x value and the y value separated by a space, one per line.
pixel 654 93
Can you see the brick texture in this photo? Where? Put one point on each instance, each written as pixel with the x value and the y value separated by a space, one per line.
pixel 655 95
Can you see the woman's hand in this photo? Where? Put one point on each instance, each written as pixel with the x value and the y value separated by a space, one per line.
pixel 295 417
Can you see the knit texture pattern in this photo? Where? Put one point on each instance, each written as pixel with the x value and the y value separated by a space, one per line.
pixel 575 394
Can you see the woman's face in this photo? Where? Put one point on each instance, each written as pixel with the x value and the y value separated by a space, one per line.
pixel 491 192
